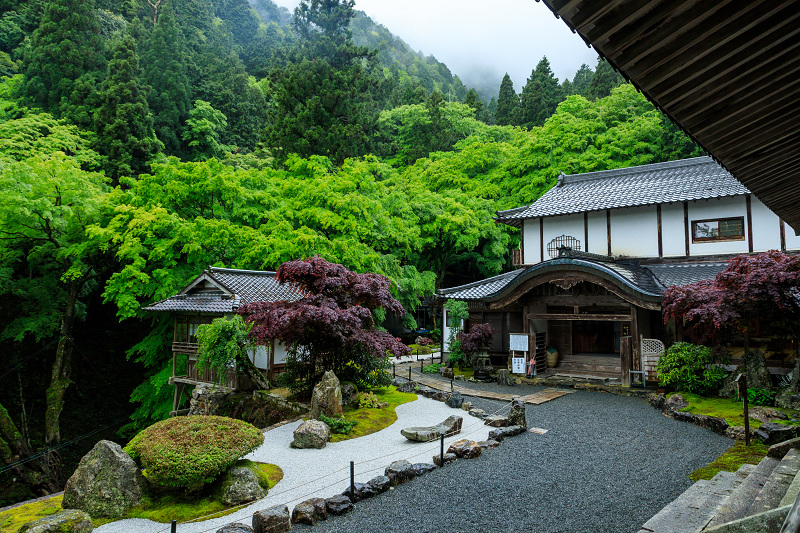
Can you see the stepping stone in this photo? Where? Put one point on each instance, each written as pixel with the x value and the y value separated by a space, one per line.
pixel 451 426
pixel 777 484
pixel 742 498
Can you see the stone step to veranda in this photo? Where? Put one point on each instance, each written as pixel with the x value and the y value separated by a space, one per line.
pixel 777 484
pixel 693 509
pixel 740 501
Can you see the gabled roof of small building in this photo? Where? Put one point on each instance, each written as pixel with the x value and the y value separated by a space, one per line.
pixel 698 178
pixel 224 290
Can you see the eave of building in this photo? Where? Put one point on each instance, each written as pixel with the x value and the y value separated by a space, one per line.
pixel 727 72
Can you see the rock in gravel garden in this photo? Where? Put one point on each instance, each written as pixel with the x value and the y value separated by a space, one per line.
pixel 311 434
pixel 362 492
pixel 488 444
pixel 451 426
pixel 766 414
pixel 500 433
pixel 465 448
pixel 454 400
pixel 380 484
pixel 516 417
pixel 496 421
pixel 466 406
pixel 273 520
pixel 448 458
pixel 310 511
pixel 407 386
pixel 478 413
pixel 235 528
pixel 327 397
pixel 338 505
pixel 774 433
pixel 676 402
pixel 504 377
pixel 70 520
pixel 399 472
pixel 423 468
pixel 349 394
pixel 106 483
pixel 241 486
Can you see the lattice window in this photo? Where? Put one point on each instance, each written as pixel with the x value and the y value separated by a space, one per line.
pixel 564 241
pixel 652 347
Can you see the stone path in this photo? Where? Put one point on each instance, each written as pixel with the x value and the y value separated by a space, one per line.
pixel 533 399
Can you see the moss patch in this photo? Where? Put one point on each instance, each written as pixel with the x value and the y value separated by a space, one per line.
pixel 372 420
pixel 467 372
pixel 13 519
pixel 732 459
pixel 157 507
pixel 727 408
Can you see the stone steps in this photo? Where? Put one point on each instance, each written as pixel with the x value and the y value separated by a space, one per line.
pixel 693 509
pixel 740 501
pixel 777 484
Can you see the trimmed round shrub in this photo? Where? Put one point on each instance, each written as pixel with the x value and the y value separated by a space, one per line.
pixel 689 368
pixel 189 451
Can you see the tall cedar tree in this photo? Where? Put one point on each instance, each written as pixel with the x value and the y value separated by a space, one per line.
pixel 164 61
pixel 540 96
pixel 322 101
pixel 474 101
pixel 605 78
pixel 332 326
pixel 123 122
pixel 582 81
pixel 507 103
pixel 65 61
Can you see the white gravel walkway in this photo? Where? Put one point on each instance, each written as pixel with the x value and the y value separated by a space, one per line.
pixel 324 473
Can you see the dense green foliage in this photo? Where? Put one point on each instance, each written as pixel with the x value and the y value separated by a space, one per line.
pixel 340 425
pixel 690 368
pixel 386 164
pixel 757 396
pixel 192 451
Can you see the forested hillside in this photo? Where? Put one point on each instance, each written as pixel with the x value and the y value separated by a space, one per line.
pixel 142 141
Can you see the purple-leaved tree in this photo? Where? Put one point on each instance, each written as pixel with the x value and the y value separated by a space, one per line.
pixel 331 327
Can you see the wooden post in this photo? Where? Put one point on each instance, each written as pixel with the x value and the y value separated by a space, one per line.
pixel 741 380
pixel 625 360
pixel 635 344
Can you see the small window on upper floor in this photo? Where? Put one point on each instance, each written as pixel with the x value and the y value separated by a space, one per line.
pixel 719 229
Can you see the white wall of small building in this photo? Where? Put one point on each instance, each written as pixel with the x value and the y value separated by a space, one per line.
pixel 634 230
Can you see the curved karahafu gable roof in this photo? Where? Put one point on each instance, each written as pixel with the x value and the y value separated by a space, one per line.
pixel 224 290
pixel 726 71
pixel 699 178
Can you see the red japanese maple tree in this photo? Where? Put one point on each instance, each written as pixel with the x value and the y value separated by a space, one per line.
pixel 764 286
pixel 332 326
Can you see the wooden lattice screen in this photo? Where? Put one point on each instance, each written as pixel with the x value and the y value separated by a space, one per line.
pixel 564 241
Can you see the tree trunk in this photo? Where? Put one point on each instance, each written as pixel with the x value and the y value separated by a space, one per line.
pixel 255 374
pixel 62 366
pixel 35 473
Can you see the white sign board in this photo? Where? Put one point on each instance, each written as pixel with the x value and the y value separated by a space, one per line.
pixel 518 342
pixel 517 365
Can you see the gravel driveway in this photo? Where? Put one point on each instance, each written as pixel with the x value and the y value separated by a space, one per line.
pixel 606 464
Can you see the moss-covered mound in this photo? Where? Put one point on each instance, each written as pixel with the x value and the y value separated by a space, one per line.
pixel 193 450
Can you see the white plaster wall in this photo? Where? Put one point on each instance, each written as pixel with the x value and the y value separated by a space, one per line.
pixel 598 233
pixel 259 355
pixel 446 331
pixel 766 227
pixel 792 240
pixel 673 235
pixel 280 352
pixel 570 225
pixel 718 208
pixel 634 232
pixel 530 236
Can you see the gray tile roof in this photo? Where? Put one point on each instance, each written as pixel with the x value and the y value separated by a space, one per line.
pixel 698 178
pixel 647 279
pixel 236 288
pixel 675 274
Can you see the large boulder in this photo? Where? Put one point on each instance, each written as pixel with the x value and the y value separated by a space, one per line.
pixel 273 520
pixel 754 366
pixel 327 397
pixel 516 417
pixel 349 394
pixel 399 472
pixel 310 512
pixel 675 403
pixel 240 485
pixel 69 521
pixel 788 399
pixel 311 434
pixel 106 483
pixel 772 433
pixel 451 426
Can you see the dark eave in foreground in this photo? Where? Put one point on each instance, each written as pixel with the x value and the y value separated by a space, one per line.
pixel 728 72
